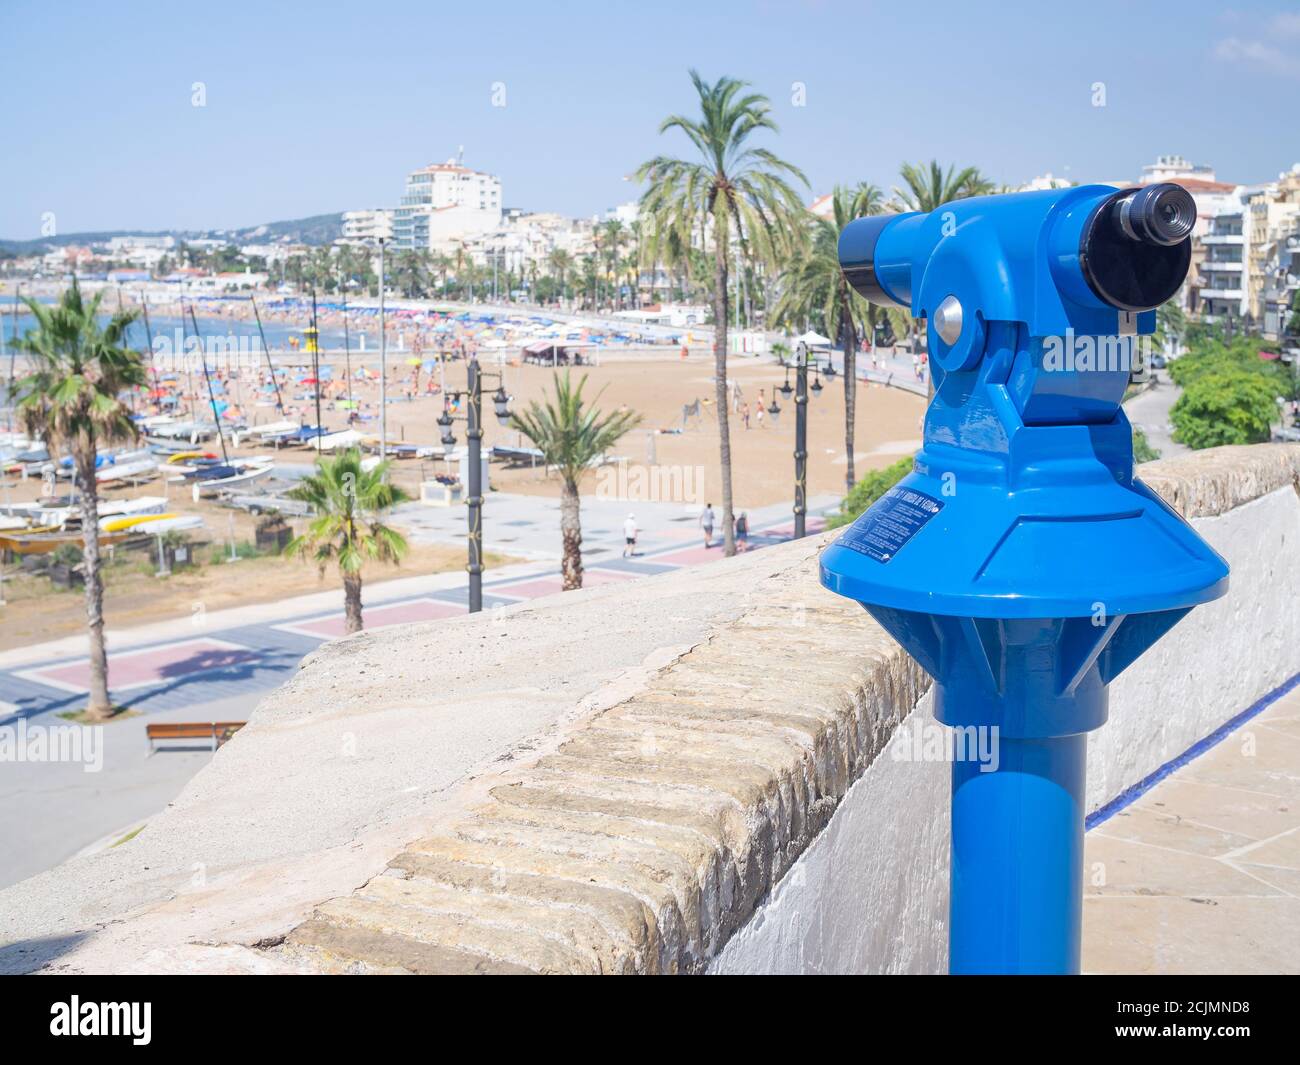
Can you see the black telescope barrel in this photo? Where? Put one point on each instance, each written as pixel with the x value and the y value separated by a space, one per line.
pixel 857 252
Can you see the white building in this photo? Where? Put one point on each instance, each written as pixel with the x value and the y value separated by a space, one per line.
pixel 366 227
pixel 1177 169
pixel 446 203
pixel 1045 181
pixel 627 213
pixel 272 253
pixel 124 247
pixel 1222 284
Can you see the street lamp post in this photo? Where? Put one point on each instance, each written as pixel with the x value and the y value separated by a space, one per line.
pixel 800 434
pixel 474 478
pixel 383 361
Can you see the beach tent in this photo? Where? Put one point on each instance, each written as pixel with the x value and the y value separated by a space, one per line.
pixel 813 340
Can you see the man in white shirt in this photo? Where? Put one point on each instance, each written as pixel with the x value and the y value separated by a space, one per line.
pixel 629 534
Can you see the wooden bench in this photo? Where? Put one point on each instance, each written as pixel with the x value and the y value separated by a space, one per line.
pixel 217 732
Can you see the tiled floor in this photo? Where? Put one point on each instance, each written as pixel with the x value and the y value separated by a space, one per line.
pixel 1202 873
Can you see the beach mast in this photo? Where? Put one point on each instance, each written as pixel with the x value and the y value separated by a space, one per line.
pixel 13 357
pixel 212 399
pixel 347 344
pixel 315 362
pixel 119 311
pixel 279 400
pixel 189 372
pixel 383 362
pixel 148 338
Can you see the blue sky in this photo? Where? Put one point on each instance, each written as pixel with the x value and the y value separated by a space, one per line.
pixel 321 107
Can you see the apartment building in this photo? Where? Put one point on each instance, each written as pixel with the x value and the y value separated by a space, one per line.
pixel 445 203
pixel 367 226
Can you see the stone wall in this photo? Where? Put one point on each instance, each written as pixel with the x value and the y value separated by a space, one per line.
pixel 682 774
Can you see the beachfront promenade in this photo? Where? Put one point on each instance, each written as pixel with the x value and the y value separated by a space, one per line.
pixel 216 666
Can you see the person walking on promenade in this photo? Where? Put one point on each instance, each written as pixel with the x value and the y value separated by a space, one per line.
pixel 629 534
pixel 742 532
pixel 706 523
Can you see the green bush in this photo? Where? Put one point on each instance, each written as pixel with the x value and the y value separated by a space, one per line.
pixel 1211 355
pixel 1142 449
pixel 1225 406
pixel 66 555
pixel 868 490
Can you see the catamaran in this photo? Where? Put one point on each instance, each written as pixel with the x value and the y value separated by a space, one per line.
pixel 274 430
pixel 142 470
pixel 233 475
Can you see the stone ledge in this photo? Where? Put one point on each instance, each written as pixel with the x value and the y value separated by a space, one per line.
pixel 1206 483
pixel 650 833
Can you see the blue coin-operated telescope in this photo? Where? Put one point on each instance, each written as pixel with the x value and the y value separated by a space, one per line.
pixel 1021 563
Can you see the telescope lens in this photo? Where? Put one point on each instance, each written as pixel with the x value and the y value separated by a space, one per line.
pixel 1157 214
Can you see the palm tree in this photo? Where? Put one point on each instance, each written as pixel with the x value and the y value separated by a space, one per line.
pixel 560 262
pixel 733 190
pixel 296 271
pixel 443 263
pixel 590 277
pixel 346 262
pixel 1171 325
pixel 320 269
pixel 628 271
pixel 815 287
pixel 410 272
pixel 615 238
pixel 636 239
pixel 929 187
pixel 468 275
pixel 349 503
pixel 571 436
pixel 70 400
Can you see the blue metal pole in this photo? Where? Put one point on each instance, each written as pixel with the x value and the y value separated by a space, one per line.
pixel 1017 859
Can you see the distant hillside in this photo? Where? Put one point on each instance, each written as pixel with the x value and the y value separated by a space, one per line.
pixel 318 229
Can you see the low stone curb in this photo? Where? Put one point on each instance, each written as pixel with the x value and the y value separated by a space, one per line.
pixel 649 835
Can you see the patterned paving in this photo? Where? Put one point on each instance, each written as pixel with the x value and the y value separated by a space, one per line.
pixel 247 660
pixel 153 665
pixel 332 626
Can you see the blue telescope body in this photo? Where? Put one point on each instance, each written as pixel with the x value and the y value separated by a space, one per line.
pixel 1021 563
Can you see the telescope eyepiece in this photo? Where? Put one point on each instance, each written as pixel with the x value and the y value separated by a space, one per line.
pixel 1156 214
